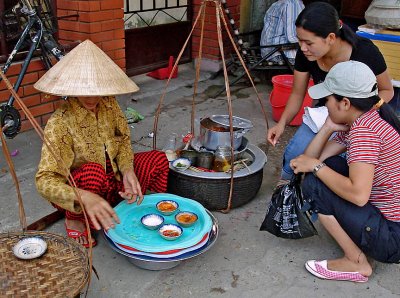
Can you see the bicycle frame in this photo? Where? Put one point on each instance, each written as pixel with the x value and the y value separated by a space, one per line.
pixel 9 116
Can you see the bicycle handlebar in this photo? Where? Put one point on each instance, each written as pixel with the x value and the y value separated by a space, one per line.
pixel 10 119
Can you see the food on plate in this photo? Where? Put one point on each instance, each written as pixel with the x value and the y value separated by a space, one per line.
pixel 170 231
pixel 181 164
pixel 167 207
pixel 186 218
pixel 152 221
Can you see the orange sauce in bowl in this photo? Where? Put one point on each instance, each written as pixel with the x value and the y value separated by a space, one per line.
pixel 186 218
pixel 165 206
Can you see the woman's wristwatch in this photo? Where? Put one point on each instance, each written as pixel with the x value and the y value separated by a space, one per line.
pixel 317 168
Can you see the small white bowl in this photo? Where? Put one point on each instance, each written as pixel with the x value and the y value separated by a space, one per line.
pixel 181 164
pixel 30 248
pixel 167 207
pixel 186 218
pixel 170 231
pixel 152 221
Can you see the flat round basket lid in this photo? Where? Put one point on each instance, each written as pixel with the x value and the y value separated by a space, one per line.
pixel 62 271
pixel 236 121
pixel 132 233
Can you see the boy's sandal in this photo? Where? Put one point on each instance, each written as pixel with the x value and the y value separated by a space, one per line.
pixel 320 269
pixel 74 234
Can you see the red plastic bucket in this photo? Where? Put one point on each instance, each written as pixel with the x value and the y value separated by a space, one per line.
pixel 282 87
pixel 164 73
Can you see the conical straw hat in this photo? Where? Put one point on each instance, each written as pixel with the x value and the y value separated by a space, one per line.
pixel 86 71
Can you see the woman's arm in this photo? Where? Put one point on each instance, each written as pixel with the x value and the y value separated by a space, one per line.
pixel 356 188
pixel 385 86
pixel 320 146
pixel 292 107
pixel 124 157
pixel 51 178
pixel 100 212
pixel 132 189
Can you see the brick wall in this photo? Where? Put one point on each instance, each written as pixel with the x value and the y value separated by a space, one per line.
pixel 210 41
pixel 40 105
pixel 101 21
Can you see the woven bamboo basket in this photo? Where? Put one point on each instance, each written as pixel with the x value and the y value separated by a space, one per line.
pixel 63 271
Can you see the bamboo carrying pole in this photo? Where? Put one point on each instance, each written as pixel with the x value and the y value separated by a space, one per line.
pixel 219 13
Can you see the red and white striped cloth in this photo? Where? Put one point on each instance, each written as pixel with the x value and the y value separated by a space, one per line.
pixel 151 169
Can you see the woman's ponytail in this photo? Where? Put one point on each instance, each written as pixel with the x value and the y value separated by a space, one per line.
pixel 347 34
pixel 388 114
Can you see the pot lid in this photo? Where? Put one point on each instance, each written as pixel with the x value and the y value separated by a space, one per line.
pixel 236 121
pixel 386 3
pixel 384 13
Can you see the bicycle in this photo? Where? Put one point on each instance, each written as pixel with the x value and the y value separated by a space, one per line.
pixel 37 33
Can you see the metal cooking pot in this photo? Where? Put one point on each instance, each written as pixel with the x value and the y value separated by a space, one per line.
pixel 214 131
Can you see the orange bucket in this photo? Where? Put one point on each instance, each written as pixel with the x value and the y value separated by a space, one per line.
pixel 282 87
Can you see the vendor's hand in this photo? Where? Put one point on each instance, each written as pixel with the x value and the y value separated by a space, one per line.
pixel 101 214
pixel 133 191
pixel 332 126
pixel 303 164
pixel 274 133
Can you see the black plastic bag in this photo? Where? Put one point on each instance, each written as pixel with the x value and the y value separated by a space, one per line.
pixel 285 216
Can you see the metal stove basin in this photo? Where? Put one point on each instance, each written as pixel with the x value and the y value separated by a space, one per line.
pixel 252 152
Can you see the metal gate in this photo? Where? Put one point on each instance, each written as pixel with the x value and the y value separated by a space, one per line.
pixel 154 31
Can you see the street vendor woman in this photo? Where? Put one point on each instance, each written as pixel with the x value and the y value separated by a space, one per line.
pixel 358 201
pixel 90 133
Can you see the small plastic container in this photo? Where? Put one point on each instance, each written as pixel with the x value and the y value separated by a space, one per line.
pixel 170 147
pixel 205 160
pixel 222 159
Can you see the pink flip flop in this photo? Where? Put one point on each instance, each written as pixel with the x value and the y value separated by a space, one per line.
pixel 320 269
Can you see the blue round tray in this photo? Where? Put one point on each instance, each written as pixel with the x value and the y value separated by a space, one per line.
pixel 211 241
pixel 132 233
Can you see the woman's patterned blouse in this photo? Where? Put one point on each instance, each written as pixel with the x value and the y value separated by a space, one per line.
pixel 78 137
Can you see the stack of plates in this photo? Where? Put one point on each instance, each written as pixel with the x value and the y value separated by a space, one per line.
pixel 146 248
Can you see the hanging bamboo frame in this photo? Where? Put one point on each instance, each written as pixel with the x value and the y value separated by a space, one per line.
pixel 219 13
